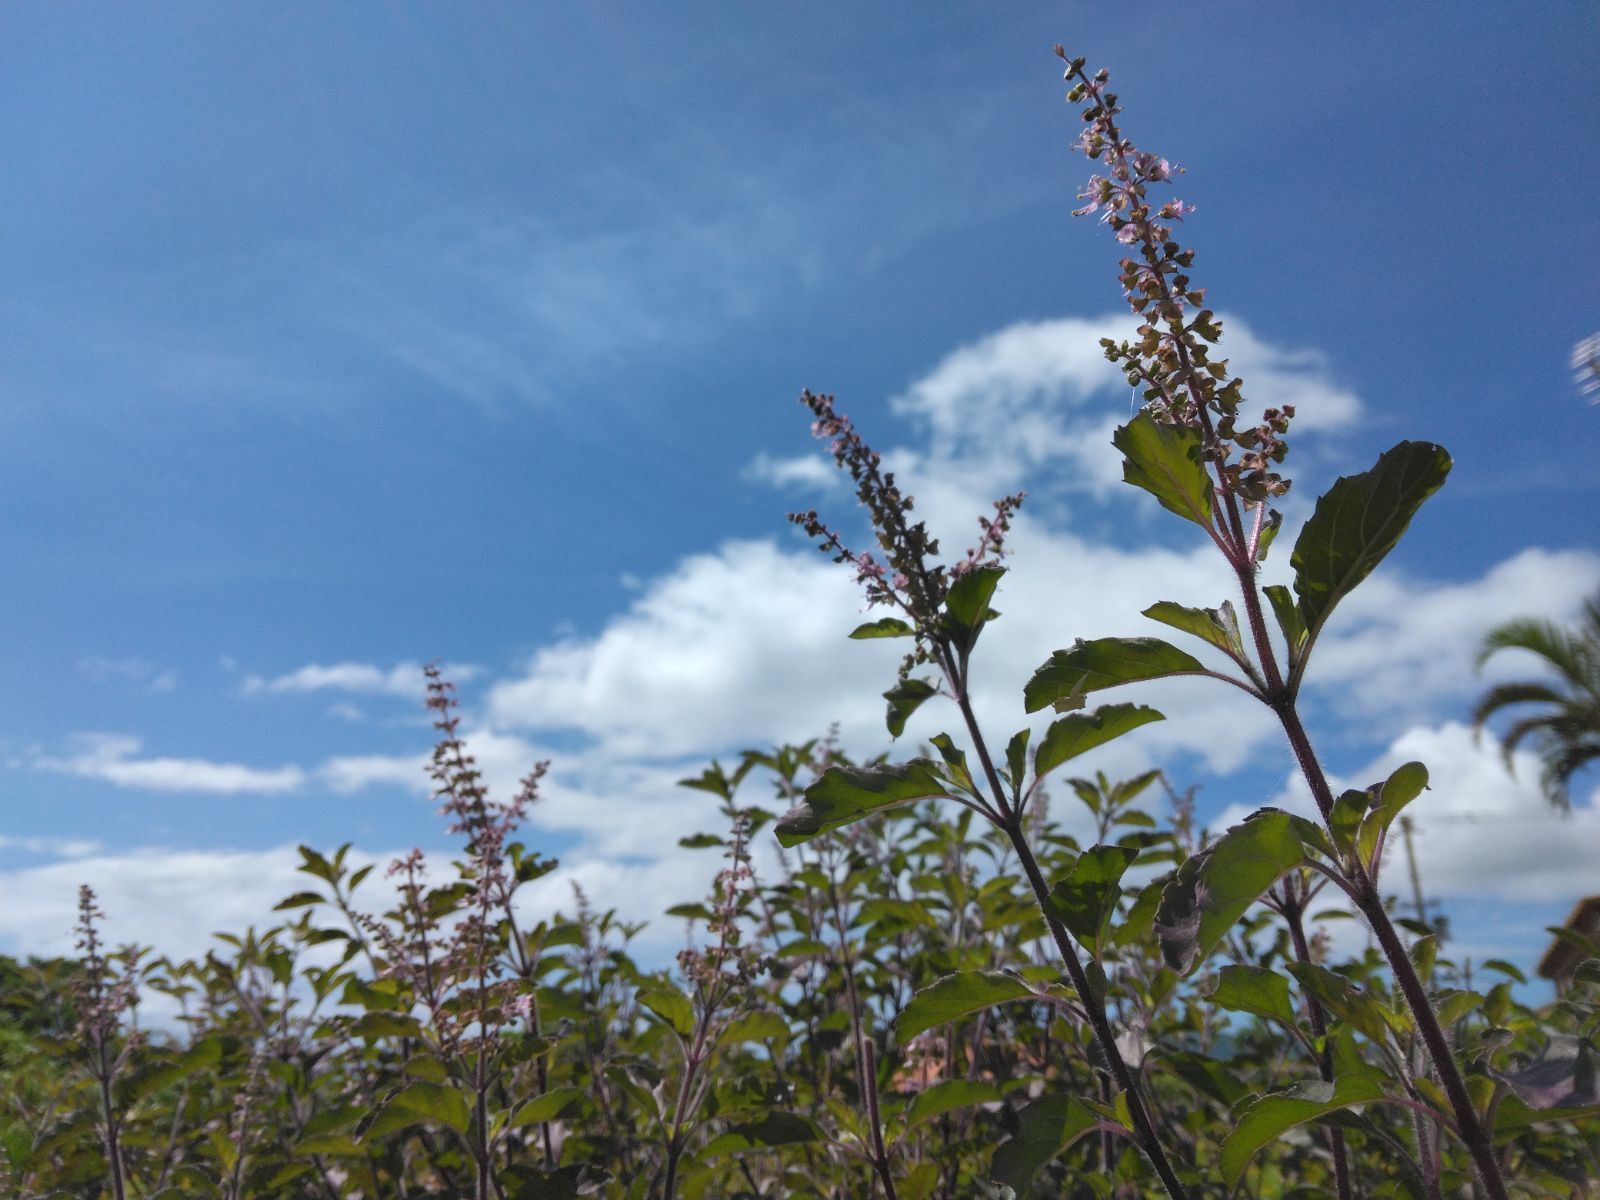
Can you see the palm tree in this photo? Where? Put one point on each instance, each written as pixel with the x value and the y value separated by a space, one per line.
pixel 1564 723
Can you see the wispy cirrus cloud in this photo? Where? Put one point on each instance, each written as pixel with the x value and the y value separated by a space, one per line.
pixel 357 678
pixel 117 759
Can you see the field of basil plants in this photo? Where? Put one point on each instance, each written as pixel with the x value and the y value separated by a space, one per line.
pixel 938 993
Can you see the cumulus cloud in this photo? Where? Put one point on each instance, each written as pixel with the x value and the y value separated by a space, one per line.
pixel 811 470
pixel 405 679
pixel 116 759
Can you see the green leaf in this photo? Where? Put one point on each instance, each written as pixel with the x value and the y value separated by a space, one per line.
pixel 883 627
pixel 846 794
pixel 1166 461
pixel 549 1107
pixel 1017 757
pixel 1254 990
pixel 1357 522
pixel 1079 733
pixel 967 603
pixel 1046 1127
pixel 1218 626
pixel 904 699
pixel 1274 1115
pixel 204 1054
pixel 298 900
pixel 774 1129
pixel 1269 533
pixel 1086 899
pixel 670 1004
pixel 434 1102
pixel 1352 1004
pixel 1290 623
pixel 1400 789
pixel 1069 675
pixel 1346 816
pixel 755 1027
pixel 1208 1076
pixel 1212 889
pixel 380 1024
pixel 955 996
pixel 948 1096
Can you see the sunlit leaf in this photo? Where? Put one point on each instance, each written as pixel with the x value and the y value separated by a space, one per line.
pixel 1079 733
pixel 956 996
pixel 846 794
pixel 1166 461
pixel 1069 675
pixel 1270 1117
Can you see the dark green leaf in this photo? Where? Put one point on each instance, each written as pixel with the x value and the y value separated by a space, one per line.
pixel 549 1106
pixel 1017 757
pixel 1086 667
pixel 955 996
pixel 1213 889
pixel 1079 733
pixel 883 627
pixel 1087 898
pixel 846 794
pixel 1254 990
pixel 949 1095
pixel 967 602
pixel 1274 1115
pixel 435 1102
pixel 1358 522
pixel 1166 461
pixel 1047 1127
pixel 298 900
pixel 904 699
pixel 774 1129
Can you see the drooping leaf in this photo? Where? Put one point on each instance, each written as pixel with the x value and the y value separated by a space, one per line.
pixel 948 1096
pixel 955 758
pixel 1269 533
pixel 883 627
pixel 904 699
pixel 1087 898
pixel 1218 626
pixel 777 1128
pixel 1079 733
pixel 846 794
pixel 1166 461
pixel 956 996
pixel 1357 522
pixel 1069 675
pixel 1212 889
pixel 670 1004
pixel 1254 990
pixel 1047 1127
pixel 1273 1115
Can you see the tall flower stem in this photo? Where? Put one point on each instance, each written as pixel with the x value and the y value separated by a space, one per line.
pixel 1093 1006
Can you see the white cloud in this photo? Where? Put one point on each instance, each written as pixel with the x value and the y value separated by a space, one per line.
pixel 1399 647
pixel 1480 832
pixel 1042 390
pixel 115 759
pixel 352 773
pixel 405 679
pixel 812 471
pixel 128 672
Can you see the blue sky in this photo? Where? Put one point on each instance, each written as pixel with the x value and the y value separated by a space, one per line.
pixel 342 338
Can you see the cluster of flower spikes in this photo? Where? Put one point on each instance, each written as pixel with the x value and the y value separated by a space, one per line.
pixel 1170 360
pixel 102 994
pixel 452 962
pixel 906 578
pixel 726 959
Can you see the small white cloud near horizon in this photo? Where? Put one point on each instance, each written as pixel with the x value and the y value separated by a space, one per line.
pixel 404 679
pixel 114 758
